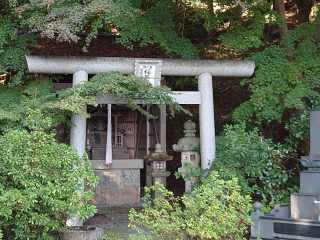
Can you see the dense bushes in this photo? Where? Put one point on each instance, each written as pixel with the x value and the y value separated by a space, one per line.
pixel 39 182
pixel 257 163
pixel 217 211
pixel 219 207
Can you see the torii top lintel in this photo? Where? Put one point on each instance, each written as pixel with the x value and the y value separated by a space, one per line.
pixel 170 67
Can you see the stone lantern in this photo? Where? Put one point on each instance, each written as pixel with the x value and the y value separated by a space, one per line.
pixel 189 155
pixel 158 172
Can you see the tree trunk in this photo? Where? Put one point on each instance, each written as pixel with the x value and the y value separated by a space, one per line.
pixel 280 8
pixel 316 22
pixel 211 31
pixel 304 7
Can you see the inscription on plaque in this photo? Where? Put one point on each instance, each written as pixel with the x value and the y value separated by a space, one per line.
pixel 151 69
pixel 148 71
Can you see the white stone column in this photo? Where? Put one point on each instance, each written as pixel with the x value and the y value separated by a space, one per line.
pixel 78 128
pixel 206 119
pixel 78 134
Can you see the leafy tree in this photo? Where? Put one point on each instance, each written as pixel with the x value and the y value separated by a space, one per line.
pixel 39 181
pixel 13 49
pixel 65 19
pixel 286 81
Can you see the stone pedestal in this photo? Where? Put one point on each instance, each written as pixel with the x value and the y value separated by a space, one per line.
pixel 303 206
pixel 118 185
pixel 188 180
pixel 160 177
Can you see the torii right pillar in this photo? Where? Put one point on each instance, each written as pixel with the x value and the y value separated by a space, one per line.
pixel 206 119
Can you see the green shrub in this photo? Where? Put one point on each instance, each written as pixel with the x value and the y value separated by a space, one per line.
pixel 218 210
pixel 257 163
pixel 39 182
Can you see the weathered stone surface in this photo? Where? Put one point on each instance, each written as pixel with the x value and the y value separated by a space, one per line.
pixel 89 233
pixel 130 177
pixel 170 67
pixel 162 174
pixel 303 206
pixel 308 180
pixel 117 187
pixel 96 198
pixel 117 196
pixel 109 177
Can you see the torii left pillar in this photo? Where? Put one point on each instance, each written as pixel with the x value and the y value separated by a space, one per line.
pixel 78 134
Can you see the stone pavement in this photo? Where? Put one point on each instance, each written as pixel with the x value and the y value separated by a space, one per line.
pixel 114 221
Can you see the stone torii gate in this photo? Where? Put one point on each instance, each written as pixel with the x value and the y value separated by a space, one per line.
pixel 80 67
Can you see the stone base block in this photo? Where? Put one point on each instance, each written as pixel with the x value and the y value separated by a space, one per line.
pixel 117 187
pixel 114 196
pixel 96 198
pixel 309 182
pixel 118 164
pixel 304 207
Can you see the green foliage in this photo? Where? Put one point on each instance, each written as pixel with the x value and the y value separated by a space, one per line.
pixel 217 210
pixel 248 33
pixel 127 88
pixel 257 163
pixel 298 127
pixel 112 234
pixel 15 101
pixel 280 85
pixel 13 49
pixel 41 182
pixel 37 94
pixel 268 90
pixel 65 19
